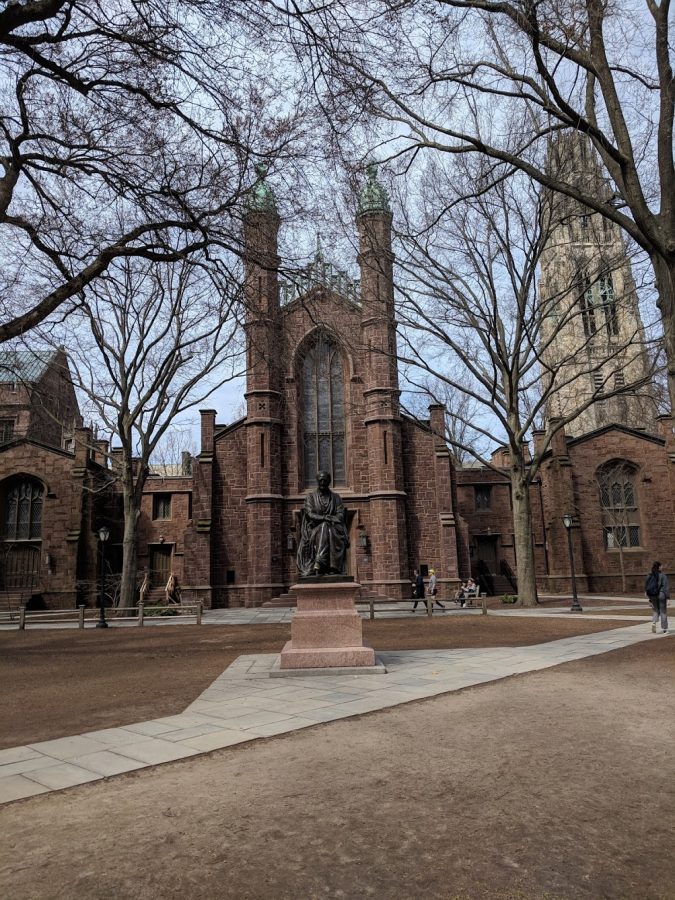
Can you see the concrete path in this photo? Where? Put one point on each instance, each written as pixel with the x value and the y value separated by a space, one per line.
pixel 244 704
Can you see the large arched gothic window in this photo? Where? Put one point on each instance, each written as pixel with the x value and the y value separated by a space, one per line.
pixel 618 500
pixel 23 510
pixel 323 412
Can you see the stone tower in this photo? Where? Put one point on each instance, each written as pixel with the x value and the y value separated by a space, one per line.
pixel 382 418
pixel 592 333
pixel 263 396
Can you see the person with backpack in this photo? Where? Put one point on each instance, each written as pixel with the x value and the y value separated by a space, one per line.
pixel 656 588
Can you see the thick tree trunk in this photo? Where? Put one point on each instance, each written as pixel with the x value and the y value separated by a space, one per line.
pixel 665 285
pixel 522 530
pixel 129 548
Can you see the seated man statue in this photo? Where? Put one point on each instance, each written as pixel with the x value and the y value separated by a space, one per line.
pixel 323 535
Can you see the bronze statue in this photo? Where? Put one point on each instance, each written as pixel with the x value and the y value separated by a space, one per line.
pixel 323 535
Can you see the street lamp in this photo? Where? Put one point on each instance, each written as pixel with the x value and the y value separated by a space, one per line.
pixel 567 522
pixel 103 535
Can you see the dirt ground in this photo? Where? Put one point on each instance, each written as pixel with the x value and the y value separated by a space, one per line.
pixel 63 682
pixel 550 785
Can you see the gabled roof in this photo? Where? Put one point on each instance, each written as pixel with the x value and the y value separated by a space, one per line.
pixel 25 365
pixel 615 426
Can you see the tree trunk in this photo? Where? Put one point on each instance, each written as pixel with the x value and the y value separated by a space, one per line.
pixel 522 530
pixel 129 549
pixel 665 285
pixel 622 567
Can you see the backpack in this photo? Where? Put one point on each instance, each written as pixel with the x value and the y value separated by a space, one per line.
pixel 652 585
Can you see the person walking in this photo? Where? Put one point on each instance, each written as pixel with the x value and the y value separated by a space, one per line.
pixel 433 590
pixel 656 588
pixel 419 590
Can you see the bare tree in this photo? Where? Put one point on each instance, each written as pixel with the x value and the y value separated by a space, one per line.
pixel 122 123
pixel 461 410
pixel 468 293
pixel 152 342
pixel 452 77
pixel 173 453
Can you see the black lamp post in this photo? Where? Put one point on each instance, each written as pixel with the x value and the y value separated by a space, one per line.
pixel 103 535
pixel 567 522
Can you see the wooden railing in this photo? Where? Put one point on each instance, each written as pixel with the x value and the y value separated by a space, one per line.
pixel 83 615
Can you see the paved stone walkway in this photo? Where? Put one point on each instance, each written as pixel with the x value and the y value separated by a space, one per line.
pixel 244 703
pixel 387 610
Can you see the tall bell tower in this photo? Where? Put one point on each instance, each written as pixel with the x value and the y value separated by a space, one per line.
pixel 592 333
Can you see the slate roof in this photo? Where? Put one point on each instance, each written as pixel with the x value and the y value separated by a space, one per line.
pixel 25 365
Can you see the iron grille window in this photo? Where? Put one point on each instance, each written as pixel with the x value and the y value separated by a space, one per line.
pixel 622 536
pixel 620 513
pixel 608 302
pixel 23 511
pixel 599 296
pixel 482 495
pixel 323 410
pixel 588 309
pixel 161 506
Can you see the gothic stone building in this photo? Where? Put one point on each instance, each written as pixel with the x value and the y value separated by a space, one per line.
pixel 322 393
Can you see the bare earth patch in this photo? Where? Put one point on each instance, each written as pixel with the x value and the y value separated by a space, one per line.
pixel 63 682
pixel 556 784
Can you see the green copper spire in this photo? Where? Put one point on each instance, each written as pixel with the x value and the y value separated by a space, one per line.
pixel 260 197
pixel 374 197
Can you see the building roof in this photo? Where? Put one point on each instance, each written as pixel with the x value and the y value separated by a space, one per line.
pixel 615 426
pixel 25 365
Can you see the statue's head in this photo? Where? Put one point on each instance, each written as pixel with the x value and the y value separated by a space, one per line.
pixel 323 480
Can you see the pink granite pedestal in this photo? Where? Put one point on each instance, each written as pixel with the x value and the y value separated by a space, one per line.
pixel 326 629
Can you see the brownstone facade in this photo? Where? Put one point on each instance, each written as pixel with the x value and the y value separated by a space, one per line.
pixel 251 477
pixel 322 392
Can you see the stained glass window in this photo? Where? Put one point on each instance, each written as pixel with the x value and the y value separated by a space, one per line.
pixel 323 412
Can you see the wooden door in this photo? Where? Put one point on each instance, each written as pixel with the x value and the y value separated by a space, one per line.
pixel 20 567
pixel 160 565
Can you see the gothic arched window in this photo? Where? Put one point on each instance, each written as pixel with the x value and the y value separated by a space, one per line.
pixel 620 512
pixel 23 510
pixel 323 412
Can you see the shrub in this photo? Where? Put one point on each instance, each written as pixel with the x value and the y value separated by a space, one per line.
pixel 509 598
pixel 160 611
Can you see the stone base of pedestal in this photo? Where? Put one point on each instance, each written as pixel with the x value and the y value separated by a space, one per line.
pixel 326 630
pixel 378 669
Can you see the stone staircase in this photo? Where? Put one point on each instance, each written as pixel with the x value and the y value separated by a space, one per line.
pixel 502 585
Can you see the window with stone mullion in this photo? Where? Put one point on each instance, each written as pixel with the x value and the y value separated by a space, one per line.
pixel 323 409
pixel 621 524
pixel 23 512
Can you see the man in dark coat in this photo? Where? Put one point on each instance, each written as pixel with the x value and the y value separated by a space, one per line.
pixel 323 536
pixel 419 590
